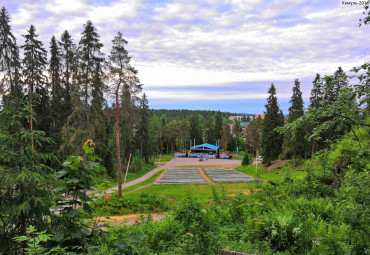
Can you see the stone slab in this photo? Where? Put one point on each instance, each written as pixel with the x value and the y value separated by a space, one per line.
pixel 226 175
pixel 181 176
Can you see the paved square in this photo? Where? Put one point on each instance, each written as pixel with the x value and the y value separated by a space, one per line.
pixel 225 175
pixel 181 176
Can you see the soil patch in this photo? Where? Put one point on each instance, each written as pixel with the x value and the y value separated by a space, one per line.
pixel 130 219
pixel 204 175
pixel 277 164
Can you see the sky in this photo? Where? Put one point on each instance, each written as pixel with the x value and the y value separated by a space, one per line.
pixel 208 54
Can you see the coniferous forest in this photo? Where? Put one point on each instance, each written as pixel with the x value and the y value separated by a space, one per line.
pixel 74 118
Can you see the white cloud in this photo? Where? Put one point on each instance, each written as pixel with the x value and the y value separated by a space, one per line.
pixel 63 7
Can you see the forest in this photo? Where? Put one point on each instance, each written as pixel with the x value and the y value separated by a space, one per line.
pixel 72 118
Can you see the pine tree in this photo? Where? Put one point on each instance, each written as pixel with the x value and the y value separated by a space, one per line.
pixel 143 129
pixel 225 136
pixel 25 180
pixel 97 120
pixel 90 55
pixel 253 134
pixel 272 141
pixel 218 127
pixel 316 92
pixel 236 130
pixel 86 121
pixel 209 129
pixel 9 59
pixel 56 113
pixel 195 133
pixel 34 64
pixel 295 143
pixel 68 54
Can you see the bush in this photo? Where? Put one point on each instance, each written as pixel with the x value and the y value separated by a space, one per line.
pixel 247 159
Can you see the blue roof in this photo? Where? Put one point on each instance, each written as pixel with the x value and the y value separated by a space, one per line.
pixel 206 145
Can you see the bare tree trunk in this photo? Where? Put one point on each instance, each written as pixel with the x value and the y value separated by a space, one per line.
pixel 119 167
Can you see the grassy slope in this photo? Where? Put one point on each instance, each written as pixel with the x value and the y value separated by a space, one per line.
pixel 204 193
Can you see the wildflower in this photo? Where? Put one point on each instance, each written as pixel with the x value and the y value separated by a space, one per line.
pixel 316 241
pixel 189 234
pixel 89 142
pixel 106 198
pixel 274 232
pixel 296 230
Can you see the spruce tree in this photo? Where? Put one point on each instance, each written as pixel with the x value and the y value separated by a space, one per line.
pixel 86 120
pixel 271 142
pixel 218 127
pixel 195 133
pixel 34 65
pixel 97 120
pixel 295 143
pixel 316 92
pixel 26 182
pixel 225 136
pixel 56 112
pixel 143 129
pixel 9 59
pixel 236 131
pixel 209 129
pixel 90 55
pixel 68 52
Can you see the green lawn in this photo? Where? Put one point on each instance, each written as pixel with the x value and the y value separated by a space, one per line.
pixel 204 193
pixel 166 157
pixel 277 174
pixel 130 176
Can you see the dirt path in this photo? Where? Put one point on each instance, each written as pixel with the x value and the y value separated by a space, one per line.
pixel 130 219
pixel 204 176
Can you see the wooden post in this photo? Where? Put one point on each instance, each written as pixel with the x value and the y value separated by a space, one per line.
pixel 128 164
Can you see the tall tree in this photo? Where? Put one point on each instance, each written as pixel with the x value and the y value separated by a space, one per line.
pixel 86 120
pixel 9 58
pixel 218 127
pixel 236 131
pixel 195 133
pixel 118 64
pixel 225 136
pixel 295 143
pixel 56 112
pixel 25 180
pixel 143 129
pixel 272 141
pixel 69 62
pixel 209 129
pixel 90 55
pixel 34 64
pixel 253 134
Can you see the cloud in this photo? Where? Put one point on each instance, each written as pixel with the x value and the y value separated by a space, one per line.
pixel 211 43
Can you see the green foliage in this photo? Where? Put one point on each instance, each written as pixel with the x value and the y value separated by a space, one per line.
pixel 73 203
pixel 247 159
pixel 143 203
pixel 271 142
pixel 34 242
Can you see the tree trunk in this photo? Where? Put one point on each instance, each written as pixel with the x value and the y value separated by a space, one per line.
pixel 119 168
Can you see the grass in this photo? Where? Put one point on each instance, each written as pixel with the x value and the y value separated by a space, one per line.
pixel 130 176
pixel 176 192
pixel 166 157
pixel 277 174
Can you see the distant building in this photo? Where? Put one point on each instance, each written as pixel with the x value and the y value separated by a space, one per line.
pixel 259 115
pixel 234 118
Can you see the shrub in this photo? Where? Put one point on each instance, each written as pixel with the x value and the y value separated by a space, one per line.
pixel 247 159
